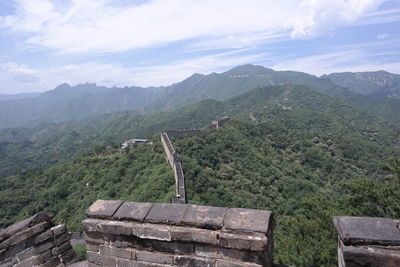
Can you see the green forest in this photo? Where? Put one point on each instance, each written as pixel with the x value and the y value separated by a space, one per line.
pixel 302 154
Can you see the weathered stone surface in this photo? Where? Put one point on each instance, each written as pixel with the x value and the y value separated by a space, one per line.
pixel 168 247
pixel 194 261
pixel 116 227
pixel 166 213
pixel 248 220
pixel 62 238
pixel 103 208
pixel 367 230
pixel 241 255
pixel 59 229
pixel 135 211
pixel 36 260
pixel 90 247
pixel 253 241
pixel 205 217
pixel 43 236
pixel 129 254
pixel 371 255
pixel 152 231
pixel 154 257
pixel 185 234
pixel 228 263
pixel 126 263
pixel 26 254
pixel 206 251
pixel 24 235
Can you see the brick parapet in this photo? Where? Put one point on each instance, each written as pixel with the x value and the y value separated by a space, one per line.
pixel 36 241
pixel 129 233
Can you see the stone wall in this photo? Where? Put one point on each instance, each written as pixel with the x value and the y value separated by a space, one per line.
pixel 144 234
pixel 176 165
pixel 180 134
pixel 366 241
pixel 36 241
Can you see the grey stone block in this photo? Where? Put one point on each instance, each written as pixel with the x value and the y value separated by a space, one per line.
pixel 185 234
pixel 228 263
pixel 43 236
pixel 253 241
pixel 188 261
pixel 135 211
pixel 166 213
pixel 103 208
pixel 206 251
pixel 26 254
pixel 205 217
pixel 118 252
pixel 372 255
pixel 61 239
pixel 152 231
pixel 154 257
pixel 59 229
pixel 248 220
pixel 367 230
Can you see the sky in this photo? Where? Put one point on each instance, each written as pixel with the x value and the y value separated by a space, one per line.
pixel 44 43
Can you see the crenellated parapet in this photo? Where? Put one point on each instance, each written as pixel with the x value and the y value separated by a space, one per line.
pixel 36 241
pixel 146 234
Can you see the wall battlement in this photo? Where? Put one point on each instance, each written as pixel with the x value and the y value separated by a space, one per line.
pixel 146 234
pixel 36 241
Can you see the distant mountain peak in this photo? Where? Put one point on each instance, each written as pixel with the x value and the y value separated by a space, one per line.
pixel 249 69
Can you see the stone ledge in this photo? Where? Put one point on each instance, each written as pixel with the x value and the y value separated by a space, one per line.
pixel 368 230
pixel 204 217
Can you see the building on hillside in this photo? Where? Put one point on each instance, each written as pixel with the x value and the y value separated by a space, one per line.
pixel 218 123
pixel 130 143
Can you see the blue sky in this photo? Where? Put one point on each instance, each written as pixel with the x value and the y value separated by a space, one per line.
pixel 44 43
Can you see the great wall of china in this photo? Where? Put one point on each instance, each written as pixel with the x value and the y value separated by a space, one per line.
pixel 134 234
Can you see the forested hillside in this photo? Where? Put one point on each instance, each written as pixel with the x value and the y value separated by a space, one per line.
pixel 302 154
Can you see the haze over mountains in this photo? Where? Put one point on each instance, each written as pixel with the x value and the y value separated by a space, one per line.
pixel 376 92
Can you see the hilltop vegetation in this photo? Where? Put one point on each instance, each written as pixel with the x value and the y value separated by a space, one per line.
pixel 304 155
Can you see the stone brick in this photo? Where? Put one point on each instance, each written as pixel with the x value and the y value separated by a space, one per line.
pixel 43 236
pixel 371 255
pixel 26 254
pixel 61 239
pixel 116 227
pixel 11 251
pixel 59 229
pixel 36 260
pixel 46 255
pixel 169 247
pixel 248 220
pixel 103 208
pixel 185 234
pixel 93 257
pixel 44 246
pixel 228 263
pixel 126 263
pixel 368 231
pixel 254 241
pixel 152 231
pixel 166 213
pixel 54 261
pixel 205 217
pixel 67 255
pixel 133 211
pixel 98 238
pixel 154 257
pixel 64 247
pixel 193 261
pixel 207 251
pixel 241 255
pixel 91 264
pixel 118 252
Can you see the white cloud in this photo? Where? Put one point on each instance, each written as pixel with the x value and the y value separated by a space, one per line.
pixel 382 36
pixel 103 26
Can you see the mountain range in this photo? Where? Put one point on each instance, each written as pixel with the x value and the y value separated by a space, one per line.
pixel 380 96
